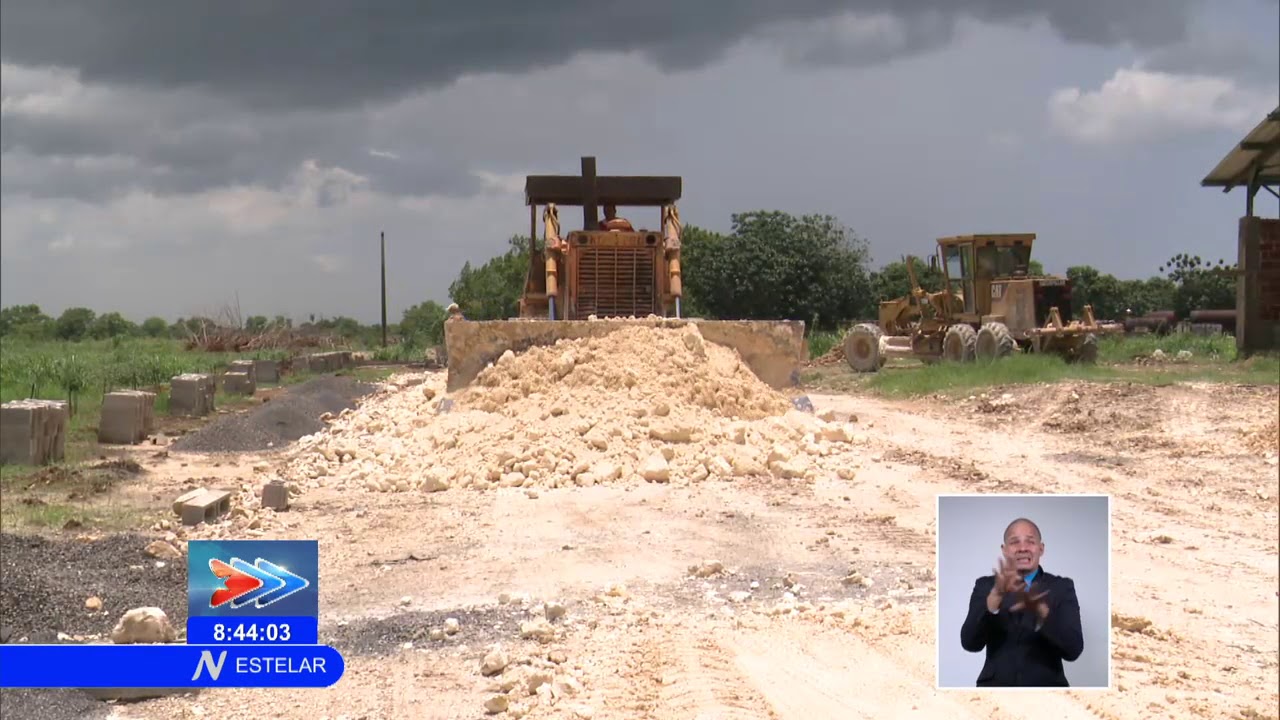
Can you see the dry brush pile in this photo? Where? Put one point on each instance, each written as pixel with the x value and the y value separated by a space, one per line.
pixel 640 404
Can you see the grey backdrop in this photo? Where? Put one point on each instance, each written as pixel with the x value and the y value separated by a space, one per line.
pixel 1074 531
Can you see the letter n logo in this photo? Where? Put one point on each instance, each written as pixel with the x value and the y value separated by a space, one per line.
pixel 206 663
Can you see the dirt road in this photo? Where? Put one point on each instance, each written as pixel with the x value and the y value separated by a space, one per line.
pixel 800 600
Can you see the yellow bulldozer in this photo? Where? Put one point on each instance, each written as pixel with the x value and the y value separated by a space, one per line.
pixel 608 275
pixel 990 306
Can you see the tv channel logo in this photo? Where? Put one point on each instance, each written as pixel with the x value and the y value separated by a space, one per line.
pixel 275 578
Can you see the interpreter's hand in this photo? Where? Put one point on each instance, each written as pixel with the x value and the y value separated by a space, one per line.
pixel 1033 603
pixel 1007 581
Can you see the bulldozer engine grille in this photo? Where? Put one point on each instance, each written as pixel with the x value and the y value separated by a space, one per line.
pixel 615 282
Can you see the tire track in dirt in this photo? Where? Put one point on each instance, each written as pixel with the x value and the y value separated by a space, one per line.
pixel 701 680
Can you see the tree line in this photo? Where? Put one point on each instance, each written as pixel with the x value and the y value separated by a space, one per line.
pixel 770 265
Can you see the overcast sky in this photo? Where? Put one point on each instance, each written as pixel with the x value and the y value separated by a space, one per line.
pixel 163 158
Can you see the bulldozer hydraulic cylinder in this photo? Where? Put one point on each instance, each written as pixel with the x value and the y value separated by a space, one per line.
pixel 551 307
pixel 674 268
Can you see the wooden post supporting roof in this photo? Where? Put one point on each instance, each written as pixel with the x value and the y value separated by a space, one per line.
pixel 590 191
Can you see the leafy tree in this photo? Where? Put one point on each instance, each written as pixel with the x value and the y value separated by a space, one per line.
pixel 892 281
pixel 110 325
pixel 1200 285
pixel 256 323
pixel 492 291
pixel 155 327
pixel 73 323
pixel 25 321
pixel 777 266
pixel 423 324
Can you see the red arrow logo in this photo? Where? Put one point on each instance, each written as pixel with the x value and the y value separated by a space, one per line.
pixel 236 583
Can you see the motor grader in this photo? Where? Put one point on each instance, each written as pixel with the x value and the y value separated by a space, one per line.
pixel 609 275
pixel 989 307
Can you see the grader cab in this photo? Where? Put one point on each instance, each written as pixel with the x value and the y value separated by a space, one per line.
pixel 990 306
pixel 609 275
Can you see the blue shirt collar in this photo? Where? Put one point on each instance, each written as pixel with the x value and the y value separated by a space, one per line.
pixel 1031 576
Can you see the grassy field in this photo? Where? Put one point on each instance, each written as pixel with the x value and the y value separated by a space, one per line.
pixel 74 492
pixel 1213 359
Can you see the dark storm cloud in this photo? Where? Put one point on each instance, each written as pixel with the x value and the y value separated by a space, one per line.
pixel 330 54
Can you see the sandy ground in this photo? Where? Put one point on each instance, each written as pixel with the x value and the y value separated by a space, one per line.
pixel 1195 543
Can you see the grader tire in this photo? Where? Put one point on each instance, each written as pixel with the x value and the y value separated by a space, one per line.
pixel 994 342
pixel 959 344
pixel 862 348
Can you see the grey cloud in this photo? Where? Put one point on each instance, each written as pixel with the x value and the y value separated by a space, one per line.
pixel 1225 54
pixel 862 40
pixel 325 53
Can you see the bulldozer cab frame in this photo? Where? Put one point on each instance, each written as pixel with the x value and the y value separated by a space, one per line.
pixel 610 269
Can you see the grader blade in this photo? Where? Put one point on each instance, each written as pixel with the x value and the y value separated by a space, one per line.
pixel 773 350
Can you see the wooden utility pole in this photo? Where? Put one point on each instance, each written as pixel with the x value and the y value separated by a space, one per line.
pixel 383 239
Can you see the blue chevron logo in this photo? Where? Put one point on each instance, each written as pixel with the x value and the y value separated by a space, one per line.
pixel 277 583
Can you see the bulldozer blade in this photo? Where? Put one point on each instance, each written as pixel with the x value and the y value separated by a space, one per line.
pixel 774 350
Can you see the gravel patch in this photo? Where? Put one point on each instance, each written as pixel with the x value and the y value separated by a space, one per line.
pixel 386 635
pixel 45 581
pixel 287 417
pixel 32 704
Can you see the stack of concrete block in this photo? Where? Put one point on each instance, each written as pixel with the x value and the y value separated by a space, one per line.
pixel 245 366
pixel 266 371
pixel 191 394
pixel 33 432
pixel 238 383
pixel 128 416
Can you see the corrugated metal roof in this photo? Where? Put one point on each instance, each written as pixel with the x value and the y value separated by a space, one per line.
pixel 1259 151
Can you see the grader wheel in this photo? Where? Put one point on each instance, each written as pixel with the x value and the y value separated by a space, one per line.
pixel 862 348
pixel 959 344
pixel 994 342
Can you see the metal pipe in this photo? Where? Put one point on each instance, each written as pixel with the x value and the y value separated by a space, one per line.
pixel 551 307
pixel 677 306
pixel 1212 315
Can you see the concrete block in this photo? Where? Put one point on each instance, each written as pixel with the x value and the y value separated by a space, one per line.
pixel 275 495
pixel 238 383
pixel 128 416
pixel 191 394
pixel 266 371
pixel 206 507
pixel 245 366
pixel 302 363
pixel 185 497
pixel 33 432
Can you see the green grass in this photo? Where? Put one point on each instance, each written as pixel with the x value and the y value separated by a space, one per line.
pixel 1121 349
pixel 1213 359
pixel 820 342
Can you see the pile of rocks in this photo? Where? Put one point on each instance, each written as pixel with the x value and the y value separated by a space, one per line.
pixel 641 404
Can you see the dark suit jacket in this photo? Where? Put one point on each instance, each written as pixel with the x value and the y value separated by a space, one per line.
pixel 1017 654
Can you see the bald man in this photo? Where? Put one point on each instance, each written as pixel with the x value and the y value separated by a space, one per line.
pixel 1026 618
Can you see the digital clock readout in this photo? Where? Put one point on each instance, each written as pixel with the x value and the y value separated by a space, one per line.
pixel 252 631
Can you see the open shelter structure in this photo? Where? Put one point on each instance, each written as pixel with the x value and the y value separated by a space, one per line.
pixel 1254 164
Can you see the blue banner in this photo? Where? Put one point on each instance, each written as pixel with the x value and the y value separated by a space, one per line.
pixel 253 631
pixel 169 666
pixel 240 579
